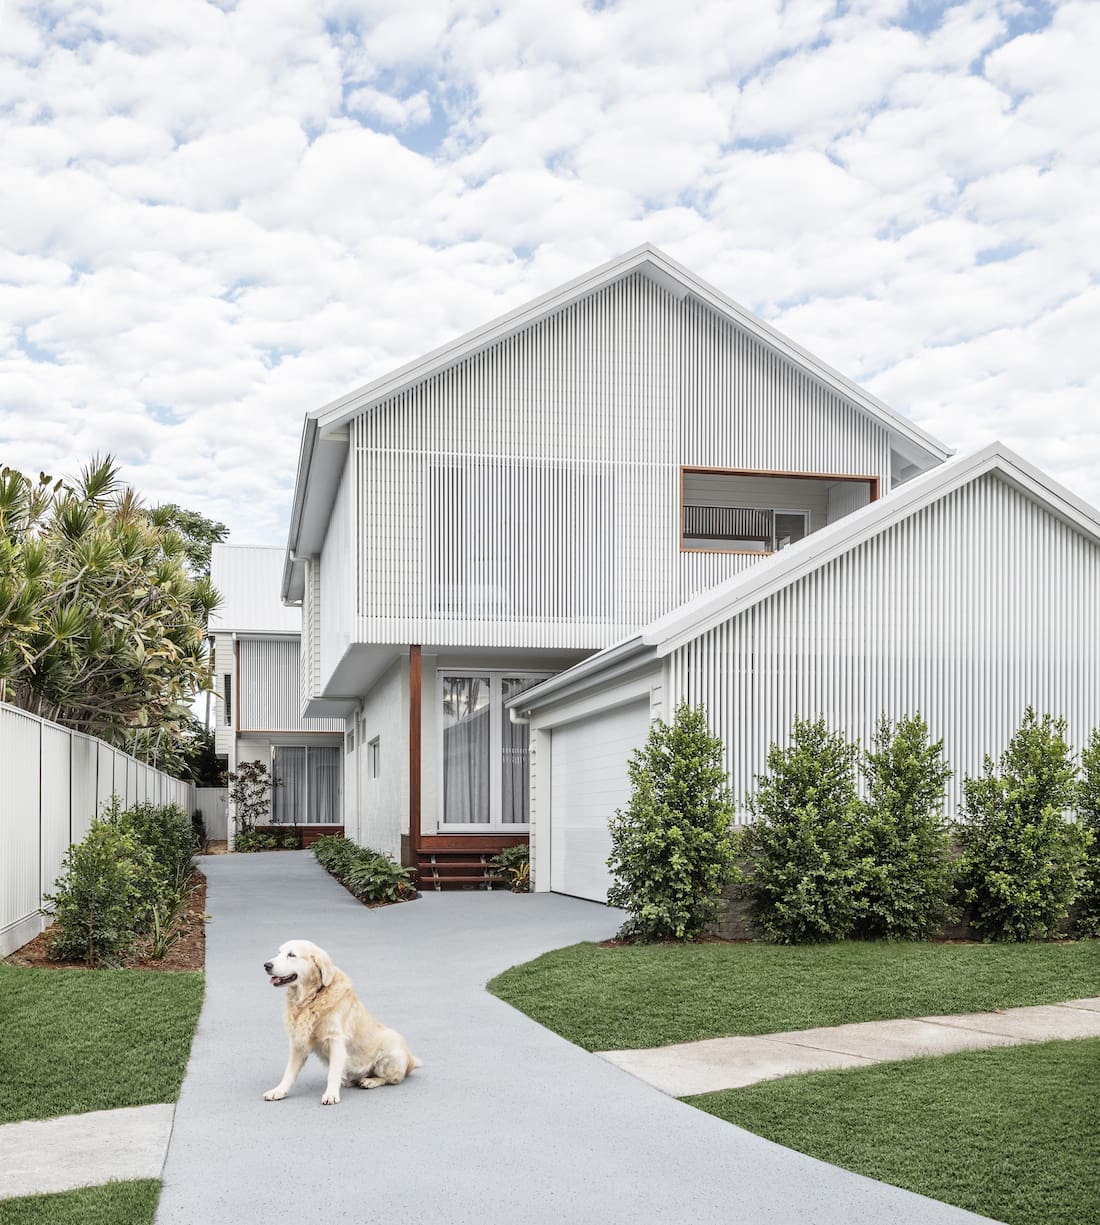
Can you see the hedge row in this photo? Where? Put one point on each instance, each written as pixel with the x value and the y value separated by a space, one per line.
pixel 369 875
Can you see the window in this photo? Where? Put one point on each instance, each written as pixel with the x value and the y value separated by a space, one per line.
pixel 227 689
pixel 761 512
pixel 309 790
pixel 484 768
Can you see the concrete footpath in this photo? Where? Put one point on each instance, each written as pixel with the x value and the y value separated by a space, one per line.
pixel 505 1121
pixel 732 1063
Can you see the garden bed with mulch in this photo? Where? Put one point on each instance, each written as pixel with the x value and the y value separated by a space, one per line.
pixel 187 953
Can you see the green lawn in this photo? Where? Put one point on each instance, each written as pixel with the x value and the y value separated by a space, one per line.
pixel 93 1039
pixel 1010 1133
pixel 117 1203
pixel 650 995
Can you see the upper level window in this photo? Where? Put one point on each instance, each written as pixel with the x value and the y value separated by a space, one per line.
pixel 734 511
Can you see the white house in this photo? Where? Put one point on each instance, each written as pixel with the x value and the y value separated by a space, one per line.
pixel 966 595
pixel 256 655
pixel 468 527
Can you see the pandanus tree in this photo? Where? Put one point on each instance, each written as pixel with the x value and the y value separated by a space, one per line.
pixel 102 616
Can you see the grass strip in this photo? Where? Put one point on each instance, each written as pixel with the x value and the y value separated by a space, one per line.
pixel 115 1203
pixel 1009 1133
pixel 93 1039
pixel 623 997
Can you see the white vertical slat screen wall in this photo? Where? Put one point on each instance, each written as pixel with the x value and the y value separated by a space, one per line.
pixel 529 496
pixel 270 689
pixel 968 611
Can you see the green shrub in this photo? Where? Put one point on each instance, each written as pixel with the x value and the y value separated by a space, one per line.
pixel 370 875
pixel 103 900
pixel 804 876
pixel 673 849
pixel 168 833
pixel 1087 922
pixel 514 865
pixel 254 840
pixel 1021 858
pixel 901 836
pixel 332 850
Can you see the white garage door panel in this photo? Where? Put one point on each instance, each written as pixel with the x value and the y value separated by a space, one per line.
pixel 589 781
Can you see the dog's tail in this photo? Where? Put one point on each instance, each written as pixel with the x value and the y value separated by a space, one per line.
pixel 415 1063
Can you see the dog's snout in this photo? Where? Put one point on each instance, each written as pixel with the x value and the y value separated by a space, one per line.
pixel 267 966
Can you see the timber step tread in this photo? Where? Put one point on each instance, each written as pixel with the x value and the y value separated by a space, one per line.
pixel 450 868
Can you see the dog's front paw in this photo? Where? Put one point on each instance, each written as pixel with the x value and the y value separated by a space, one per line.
pixel 331 1099
pixel 274 1095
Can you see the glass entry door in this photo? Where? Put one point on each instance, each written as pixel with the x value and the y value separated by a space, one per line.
pixel 310 791
pixel 484 762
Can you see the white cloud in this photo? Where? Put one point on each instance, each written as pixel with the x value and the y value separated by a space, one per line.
pixel 214 218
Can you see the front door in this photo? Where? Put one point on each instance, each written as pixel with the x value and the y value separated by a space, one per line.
pixel 484 765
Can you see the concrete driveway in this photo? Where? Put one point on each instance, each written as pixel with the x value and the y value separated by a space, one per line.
pixel 506 1122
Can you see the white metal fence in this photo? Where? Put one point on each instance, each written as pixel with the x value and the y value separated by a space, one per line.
pixel 53 781
pixel 212 803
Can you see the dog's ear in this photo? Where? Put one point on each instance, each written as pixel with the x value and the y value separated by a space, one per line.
pixel 324 965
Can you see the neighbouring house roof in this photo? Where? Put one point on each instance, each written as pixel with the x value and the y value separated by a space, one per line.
pixel 324 435
pixel 740 593
pixel 248 578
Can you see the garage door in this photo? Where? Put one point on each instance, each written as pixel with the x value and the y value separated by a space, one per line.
pixel 588 782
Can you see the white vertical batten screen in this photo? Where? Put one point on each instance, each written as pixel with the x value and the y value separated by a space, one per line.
pixel 529 496
pixel 270 696
pixel 967 612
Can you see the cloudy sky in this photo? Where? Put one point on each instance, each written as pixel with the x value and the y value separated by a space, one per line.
pixel 217 216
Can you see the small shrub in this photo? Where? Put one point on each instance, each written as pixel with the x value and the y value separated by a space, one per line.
pixel 514 865
pixel 254 840
pixel 673 848
pixel 291 840
pixel 169 835
pixel 374 877
pixel 250 787
pixel 102 901
pixel 370 875
pixel 804 873
pixel 901 837
pixel 1021 858
pixel 1087 922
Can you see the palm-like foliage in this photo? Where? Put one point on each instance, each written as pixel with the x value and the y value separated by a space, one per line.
pixel 102 624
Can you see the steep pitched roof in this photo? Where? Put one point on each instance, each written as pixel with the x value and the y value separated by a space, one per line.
pixel 763 579
pixel 319 465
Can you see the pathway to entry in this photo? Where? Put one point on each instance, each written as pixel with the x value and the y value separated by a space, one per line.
pixel 506 1122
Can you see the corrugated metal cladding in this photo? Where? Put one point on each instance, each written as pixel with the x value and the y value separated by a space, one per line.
pixel 966 612
pixel 529 496
pixel 249 580
pixel 270 697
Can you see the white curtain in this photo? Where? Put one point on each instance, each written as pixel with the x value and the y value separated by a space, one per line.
pixel 310 793
pixel 290 802
pixel 325 768
pixel 466 749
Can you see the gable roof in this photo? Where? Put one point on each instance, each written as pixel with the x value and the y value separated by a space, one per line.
pixel 320 465
pixel 748 588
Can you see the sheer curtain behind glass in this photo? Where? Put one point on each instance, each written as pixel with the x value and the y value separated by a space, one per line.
pixel 289 802
pixel 325 768
pixel 466 749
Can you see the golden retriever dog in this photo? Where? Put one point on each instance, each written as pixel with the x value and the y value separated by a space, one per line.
pixel 323 1016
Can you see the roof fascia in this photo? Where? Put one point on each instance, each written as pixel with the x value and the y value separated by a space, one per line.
pixel 735 596
pixel 609 664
